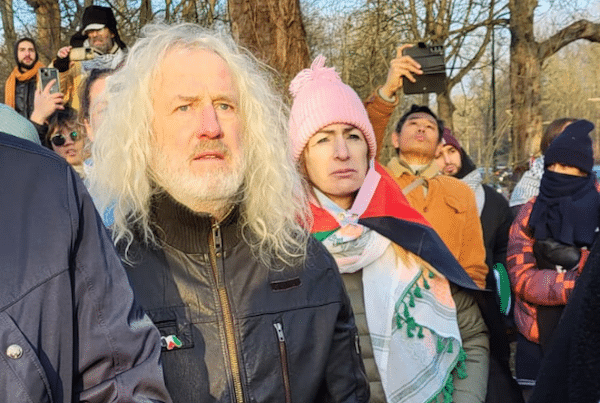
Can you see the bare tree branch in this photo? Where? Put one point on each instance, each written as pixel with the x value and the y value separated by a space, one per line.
pixel 582 29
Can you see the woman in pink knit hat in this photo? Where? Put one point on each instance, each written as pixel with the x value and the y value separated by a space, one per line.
pixel 422 335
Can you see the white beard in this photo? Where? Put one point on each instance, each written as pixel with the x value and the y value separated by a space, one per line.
pixel 211 191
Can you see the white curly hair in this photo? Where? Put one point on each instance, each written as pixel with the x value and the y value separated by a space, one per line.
pixel 273 207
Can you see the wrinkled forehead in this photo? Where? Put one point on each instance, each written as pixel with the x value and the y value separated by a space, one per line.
pixel 421 115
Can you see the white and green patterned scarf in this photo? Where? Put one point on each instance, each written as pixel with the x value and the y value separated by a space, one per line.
pixel 410 311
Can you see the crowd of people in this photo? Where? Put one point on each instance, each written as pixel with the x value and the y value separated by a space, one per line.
pixel 179 233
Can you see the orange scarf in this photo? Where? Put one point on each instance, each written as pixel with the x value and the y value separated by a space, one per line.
pixel 11 82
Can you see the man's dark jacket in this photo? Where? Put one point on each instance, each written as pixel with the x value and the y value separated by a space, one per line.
pixel 237 330
pixel 24 96
pixel 69 329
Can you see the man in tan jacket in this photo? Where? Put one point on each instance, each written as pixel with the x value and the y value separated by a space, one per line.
pixel 446 202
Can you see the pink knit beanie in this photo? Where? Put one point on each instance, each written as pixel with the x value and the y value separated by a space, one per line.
pixel 322 99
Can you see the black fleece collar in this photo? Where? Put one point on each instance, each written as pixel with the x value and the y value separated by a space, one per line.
pixel 188 231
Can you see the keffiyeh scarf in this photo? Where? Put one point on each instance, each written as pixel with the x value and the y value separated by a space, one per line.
pixel 409 307
pixel 529 185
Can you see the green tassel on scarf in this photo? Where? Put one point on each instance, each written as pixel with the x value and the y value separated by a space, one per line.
pixel 406 318
pixel 461 373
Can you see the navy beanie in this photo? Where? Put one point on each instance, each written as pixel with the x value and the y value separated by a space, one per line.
pixel 573 147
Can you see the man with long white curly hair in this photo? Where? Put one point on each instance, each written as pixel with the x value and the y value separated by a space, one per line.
pixel 192 154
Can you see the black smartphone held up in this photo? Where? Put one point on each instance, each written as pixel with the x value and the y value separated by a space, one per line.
pixel 431 59
pixel 48 74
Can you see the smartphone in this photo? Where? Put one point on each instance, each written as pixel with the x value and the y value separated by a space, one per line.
pixel 77 54
pixel 48 74
pixel 431 59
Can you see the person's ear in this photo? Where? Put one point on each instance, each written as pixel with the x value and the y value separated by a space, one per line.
pixel 396 140
pixel 88 130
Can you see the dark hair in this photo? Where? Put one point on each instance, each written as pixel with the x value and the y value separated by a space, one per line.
pixel 552 131
pixel 84 92
pixel 60 118
pixel 467 165
pixel 424 109
pixel 16 48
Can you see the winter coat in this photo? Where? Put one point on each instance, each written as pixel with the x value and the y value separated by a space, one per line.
pixel 569 371
pixel 500 386
pixel 532 286
pixel 24 96
pixel 237 330
pixel 473 332
pixel 449 204
pixel 450 208
pixel 496 219
pixel 70 330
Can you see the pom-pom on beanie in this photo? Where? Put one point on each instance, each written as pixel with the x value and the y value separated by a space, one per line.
pixel 572 147
pixel 320 99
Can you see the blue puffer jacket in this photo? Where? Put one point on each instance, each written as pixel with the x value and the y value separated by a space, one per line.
pixel 69 328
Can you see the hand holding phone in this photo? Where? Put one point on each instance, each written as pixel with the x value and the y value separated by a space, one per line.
pixel 46 103
pixel 431 60
pixel 46 75
pixel 400 67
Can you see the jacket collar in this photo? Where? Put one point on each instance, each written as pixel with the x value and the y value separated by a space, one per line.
pixel 188 231
pixel 399 167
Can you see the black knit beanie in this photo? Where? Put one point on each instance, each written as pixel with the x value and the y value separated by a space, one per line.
pixel 573 147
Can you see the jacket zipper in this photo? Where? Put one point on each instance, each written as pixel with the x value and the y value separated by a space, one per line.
pixel 284 362
pixel 216 249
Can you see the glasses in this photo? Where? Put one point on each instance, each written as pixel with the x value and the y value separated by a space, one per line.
pixel 60 140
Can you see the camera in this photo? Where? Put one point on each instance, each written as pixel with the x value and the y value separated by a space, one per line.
pixel 431 59
pixel 48 74
pixel 78 54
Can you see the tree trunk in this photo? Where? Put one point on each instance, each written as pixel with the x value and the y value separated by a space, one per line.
pixel 8 23
pixel 273 31
pixel 445 109
pixel 525 80
pixel 47 13
pixel 145 12
pixel 526 58
pixel 189 13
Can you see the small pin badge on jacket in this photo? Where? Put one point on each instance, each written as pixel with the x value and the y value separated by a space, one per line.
pixel 171 342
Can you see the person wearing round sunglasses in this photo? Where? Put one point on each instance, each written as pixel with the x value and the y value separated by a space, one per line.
pixel 66 138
